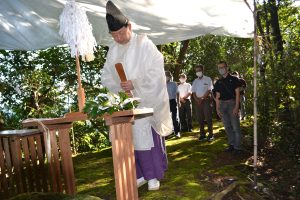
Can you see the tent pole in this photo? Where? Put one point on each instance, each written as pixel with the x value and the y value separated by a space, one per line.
pixel 80 90
pixel 255 54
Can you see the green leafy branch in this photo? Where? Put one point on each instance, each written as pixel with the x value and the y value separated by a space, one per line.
pixel 108 103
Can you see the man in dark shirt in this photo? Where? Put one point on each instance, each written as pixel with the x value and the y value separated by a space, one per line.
pixel 227 105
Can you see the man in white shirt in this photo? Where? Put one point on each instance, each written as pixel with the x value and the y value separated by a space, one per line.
pixel 185 106
pixel 201 88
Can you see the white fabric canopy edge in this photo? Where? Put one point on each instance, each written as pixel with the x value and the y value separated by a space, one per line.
pixel 34 24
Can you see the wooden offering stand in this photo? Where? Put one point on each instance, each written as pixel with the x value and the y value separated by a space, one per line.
pixel 21 162
pixel 120 126
pixel 58 149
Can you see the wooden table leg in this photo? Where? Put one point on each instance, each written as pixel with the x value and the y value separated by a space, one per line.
pixel 67 162
pixel 124 161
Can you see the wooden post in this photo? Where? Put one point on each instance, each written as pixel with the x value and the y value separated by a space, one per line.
pixel 255 52
pixel 80 90
pixel 120 126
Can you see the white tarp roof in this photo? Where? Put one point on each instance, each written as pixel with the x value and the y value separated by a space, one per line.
pixel 34 24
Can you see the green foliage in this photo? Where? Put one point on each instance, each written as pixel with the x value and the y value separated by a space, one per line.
pixel 208 50
pixel 91 135
pixel 108 103
pixel 278 81
pixel 43 83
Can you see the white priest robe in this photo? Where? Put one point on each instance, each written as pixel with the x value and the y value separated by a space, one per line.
pixel 144 66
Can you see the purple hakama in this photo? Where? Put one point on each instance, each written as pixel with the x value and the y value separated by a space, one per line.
pixel 152 163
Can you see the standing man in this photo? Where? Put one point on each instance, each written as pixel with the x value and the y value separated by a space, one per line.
pixel 144 68
pixel 185 105
pixel 201 88
pixel 242 94
pixel 227 105
pixel 173 100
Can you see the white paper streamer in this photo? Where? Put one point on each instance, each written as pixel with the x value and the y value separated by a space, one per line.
pixel 77 31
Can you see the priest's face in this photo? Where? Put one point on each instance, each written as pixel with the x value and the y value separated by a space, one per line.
pixel 123 35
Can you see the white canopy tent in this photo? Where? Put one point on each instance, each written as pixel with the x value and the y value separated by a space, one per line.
pixel 34 24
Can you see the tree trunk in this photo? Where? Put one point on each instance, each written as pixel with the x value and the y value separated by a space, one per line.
pixel 276 33
pixel 181 56
pixel 280 68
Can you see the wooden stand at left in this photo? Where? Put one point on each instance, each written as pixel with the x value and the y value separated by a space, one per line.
pixel 58 150
pixel 22 162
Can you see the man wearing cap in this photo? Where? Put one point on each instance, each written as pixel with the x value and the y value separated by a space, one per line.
pixel 144 68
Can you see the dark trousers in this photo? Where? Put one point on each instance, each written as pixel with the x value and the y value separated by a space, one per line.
pixel 204 113
pixel 173 109
pixel 185 115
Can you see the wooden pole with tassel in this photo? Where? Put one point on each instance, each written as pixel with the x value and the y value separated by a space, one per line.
pixel 77 32
pixel 80 90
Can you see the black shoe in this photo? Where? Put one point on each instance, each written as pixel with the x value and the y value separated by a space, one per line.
pixel 229 149
pixel 237 151
pixel 202 138
pixel 210 138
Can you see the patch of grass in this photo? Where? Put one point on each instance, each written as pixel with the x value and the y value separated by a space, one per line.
pixel 52 196
pixel 196 169
pixel 39 196
pixel 94 174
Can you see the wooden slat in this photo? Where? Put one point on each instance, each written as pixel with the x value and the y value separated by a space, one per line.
pixel 36 177
pixel 3 181
pixel 122 160
pixel 41 167
pixel 131 163
pixel 126 159
pixel 55 161
pixel 67 162
pixel 53 181
pixel 17 162
pixel 27 174
pixel 8 163
pixel 116 150
pixel 129 193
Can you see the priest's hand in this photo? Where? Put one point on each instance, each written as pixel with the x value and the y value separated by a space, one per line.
pixel 127 85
